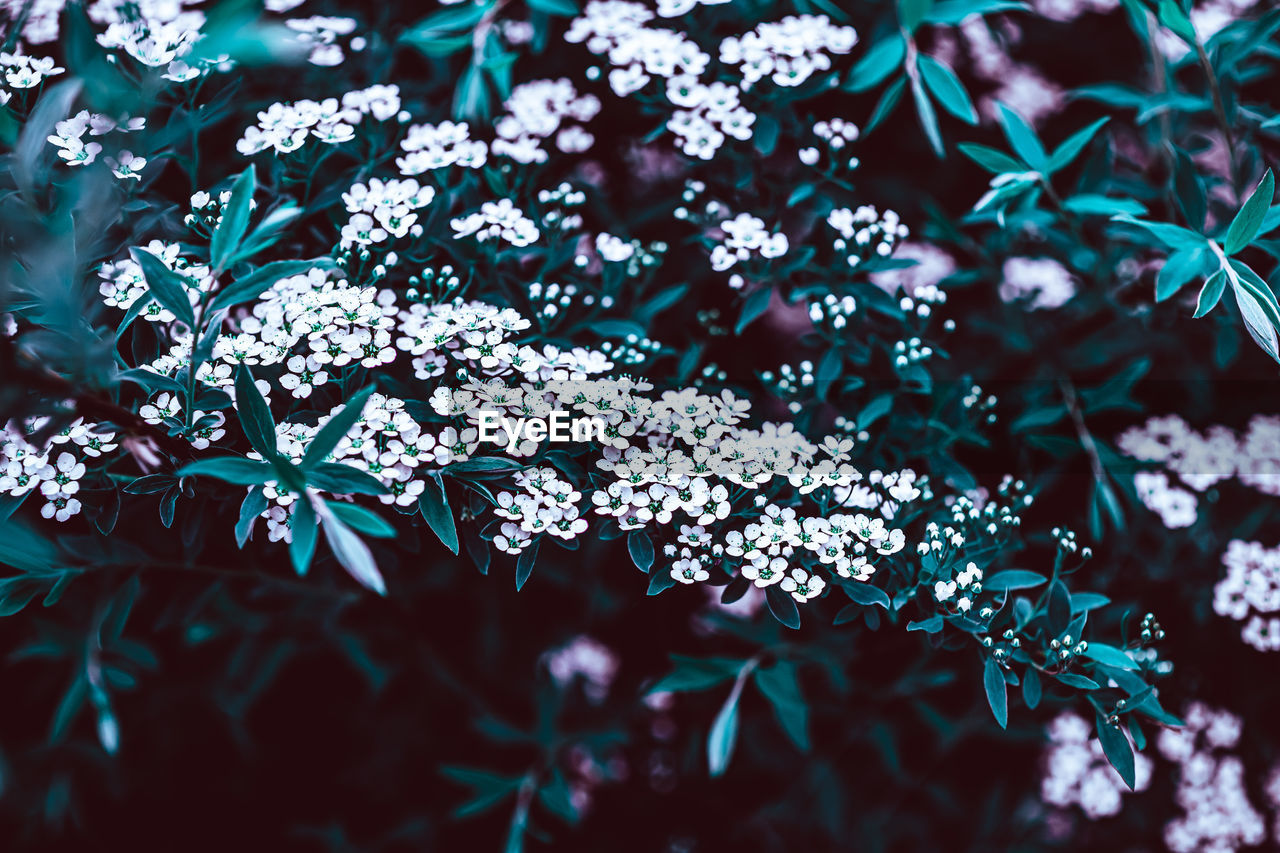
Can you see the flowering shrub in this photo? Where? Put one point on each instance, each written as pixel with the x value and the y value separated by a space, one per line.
pixel 805 370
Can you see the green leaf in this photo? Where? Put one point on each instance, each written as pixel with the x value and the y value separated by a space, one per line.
pixel 947 88
pixel 337 478
pixel 166 286
pixel 866 593
pixel 765 134
pixel 231 469
pixel 996 162
pixel 471 98
pixel 756 303
pixel 1082 602
pixel 1012 579
pixel 928 118
pixel 1116 747
pixel 235 221
pixel 1074 144
pixel 912 12
pixel 877 64
pixel 1248 222
pixel 951 12
pixel 1178 269
pixel 1031 688
pixel 362 520
pixel 724 735
pixel 1189 189
pixel 782 606
pixel 305 532
pixel 660 582
pixel 255 418
pixel 1110 655
pixel 1023 140
pixel 1174 236
pixel 876 409
pixel 253 505
pixel 563 8
pixel 1177 22
pixel 1257 322
pixel 335 428
pixel 524 563
pixel 781 687
pixel 1087 204
pixel 997 691
pixel 262 279
pixel 268 232
pixel 888 100
pixel 697 674
pixel 640 547
pixel 434 505
pixel 1211 293
pixel 351 551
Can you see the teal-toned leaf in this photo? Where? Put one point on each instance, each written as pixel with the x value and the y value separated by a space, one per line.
pixel 755 305
pixel 255 502
pixel 305 530
pixel 1013 579
pixel 260 280
pixel 362 520
pixel 235 220
pixel 1176 21
pixel 166 286
pixel 876 409
pixel 1074 144
pixel 351 551
pixel 335 428
pixel 640 547
pixel 1178 269
pixel 723 736
pixel 255 418
pixel 997 691
pixel 434 505
pixel 1116 747
pixel 563 8
pixel 1082 602
pixel 947 88
pixel 888 100
pixel 1031 688
pixel 884 58
pixel 697 674
pixel 1110 655
pixel 524 563
pixel 230 469
pixel 782 606
pixel 951 12
pixel 781 687
pixel 339 479
pixel 1081 682
pixel 1248 221
pixel 866 593
pixel 911 13
pixel 1210 293
pixel 1023 139
pixel 990 159
pixel 928 117
pixel 1087 205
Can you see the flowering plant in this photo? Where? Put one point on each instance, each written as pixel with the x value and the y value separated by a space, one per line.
pixel 295 302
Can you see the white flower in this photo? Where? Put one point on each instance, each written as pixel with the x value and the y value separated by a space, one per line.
pixel 802 585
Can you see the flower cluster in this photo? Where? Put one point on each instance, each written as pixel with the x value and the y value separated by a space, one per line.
pixel 866 232
pixel 286 127
pixel 789 51
pixel 1211 786
pixel 54 470
pixel 1250 592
